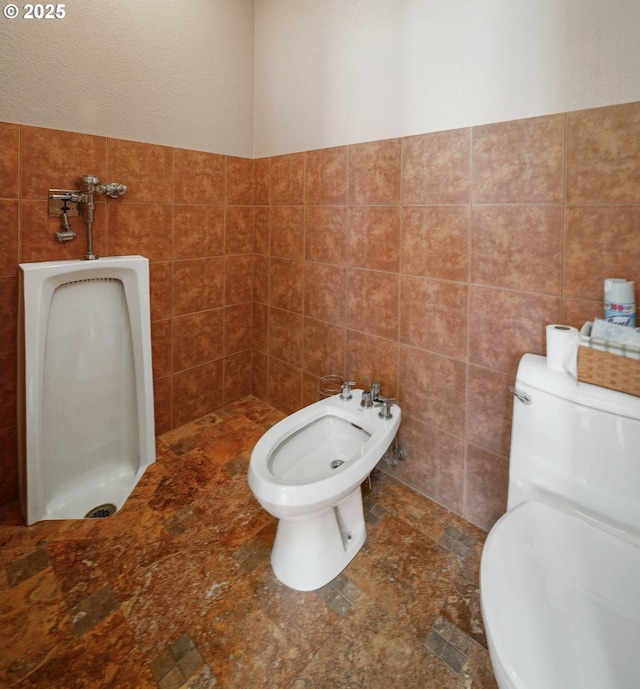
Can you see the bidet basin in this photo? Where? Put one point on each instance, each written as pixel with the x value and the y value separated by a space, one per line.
pixel 320 447
pixel 319 454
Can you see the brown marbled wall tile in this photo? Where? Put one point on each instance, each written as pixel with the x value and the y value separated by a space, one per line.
pixel 239 181
pixel 286 226
pixel 374 173
pixel 433 315
pixel 435 242
pixel 373 237
pixel 199 177
pixel 198 284
pixel 487 484
pixel 141 228
pixel 261 230
pixel 9 235
pixel 260 332
pixel 326 177
pixel 505 324
pixel 324 292
pixel 8 312
pixel 371 359
pixel 160 290
pixel 323 348
pixel 489 409
pixel 8 464
pixel 162 396
pixel 261 181
pixel 9 160
pixel 286 284
pixel 518 246
pixel 237 376
pixel 577 312
pixel 197 338
pixel 519 161
pixel 432 389
pixel 8 388
pixel 54 159
pixel 325 234
pixel 309 388
pixel 197 391
pixel 161 356
pixel 198 231
pixel 259 374
pixel 373 302
pixel 436 167
pixel 436 463
pixel 287 180
pixel 239 230
pixel 603 155
pixel 261 272
pixel 237 327
pixel 238 285
pixel 284 386
pixel 600 242
pixel 285 336
pixel 146 169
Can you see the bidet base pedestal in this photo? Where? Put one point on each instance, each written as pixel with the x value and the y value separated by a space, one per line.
pixel 309 551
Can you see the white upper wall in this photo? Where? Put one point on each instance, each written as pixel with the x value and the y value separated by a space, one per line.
pixel 170 72
pixel 332 72
pixel 327 72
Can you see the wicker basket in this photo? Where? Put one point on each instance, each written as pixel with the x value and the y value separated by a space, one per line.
pixel 608 368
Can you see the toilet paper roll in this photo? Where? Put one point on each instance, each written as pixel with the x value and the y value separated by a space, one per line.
pixel 562 348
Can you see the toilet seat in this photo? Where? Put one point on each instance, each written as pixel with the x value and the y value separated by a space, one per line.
pixel 561 600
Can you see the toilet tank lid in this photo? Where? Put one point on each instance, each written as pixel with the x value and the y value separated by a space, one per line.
pixel 533 372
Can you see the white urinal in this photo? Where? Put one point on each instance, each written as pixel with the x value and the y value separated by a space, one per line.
pixel 85 388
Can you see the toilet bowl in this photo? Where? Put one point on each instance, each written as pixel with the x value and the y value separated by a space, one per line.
pixel 560 570
pixel 307 471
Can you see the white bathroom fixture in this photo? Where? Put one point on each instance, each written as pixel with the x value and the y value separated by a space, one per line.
pixel 85 386
pixel 307 471
pixel 560 570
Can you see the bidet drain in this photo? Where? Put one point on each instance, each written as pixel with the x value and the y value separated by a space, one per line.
pixel 337 463
pixel 101 511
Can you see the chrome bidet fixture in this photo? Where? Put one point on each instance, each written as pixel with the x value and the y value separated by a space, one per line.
pixel 82 199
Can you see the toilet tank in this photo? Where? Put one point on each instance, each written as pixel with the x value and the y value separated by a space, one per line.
pixel 576 443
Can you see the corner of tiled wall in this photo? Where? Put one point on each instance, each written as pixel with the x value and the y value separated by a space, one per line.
pixel 190 213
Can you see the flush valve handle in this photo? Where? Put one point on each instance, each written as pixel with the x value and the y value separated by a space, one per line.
pixel 346 390
pixel 385 407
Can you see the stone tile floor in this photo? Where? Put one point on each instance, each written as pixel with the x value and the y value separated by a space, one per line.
pixel 176 590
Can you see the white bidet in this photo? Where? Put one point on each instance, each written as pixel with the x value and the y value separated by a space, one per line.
pixel 307 471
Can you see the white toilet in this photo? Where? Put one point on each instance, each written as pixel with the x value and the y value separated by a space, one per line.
pixel 560 573
pixel 307 471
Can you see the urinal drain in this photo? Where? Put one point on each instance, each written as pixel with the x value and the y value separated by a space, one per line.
pixel 101 511
pixel 337 463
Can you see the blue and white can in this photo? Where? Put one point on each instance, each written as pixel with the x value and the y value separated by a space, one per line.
pixel 619 302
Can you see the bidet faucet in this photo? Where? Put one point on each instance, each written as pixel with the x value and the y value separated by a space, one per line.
pixel 366 400
pixel 385 407
pixel 346 390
